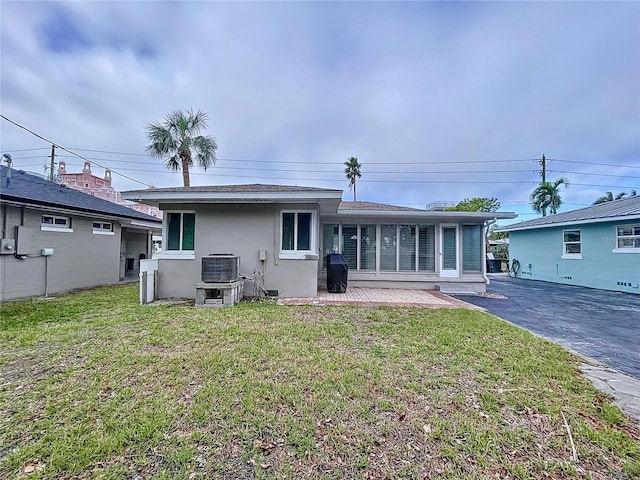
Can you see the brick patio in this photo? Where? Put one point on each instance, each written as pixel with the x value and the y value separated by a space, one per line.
pixel 380 296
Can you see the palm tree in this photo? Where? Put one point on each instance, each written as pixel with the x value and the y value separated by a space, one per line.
pixel 609 197
pixel 547 195
pixel 352 172
pixel 178 140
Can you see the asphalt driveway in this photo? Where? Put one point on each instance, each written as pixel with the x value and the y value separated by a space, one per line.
pixel 597 324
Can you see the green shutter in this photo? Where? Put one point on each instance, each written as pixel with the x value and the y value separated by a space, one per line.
pixel 188 231
pixel 288 222
pixel 173 231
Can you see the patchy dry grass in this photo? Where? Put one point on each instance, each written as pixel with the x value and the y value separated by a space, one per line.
pixel 93 385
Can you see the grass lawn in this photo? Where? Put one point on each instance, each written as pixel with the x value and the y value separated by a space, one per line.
pixel 93 385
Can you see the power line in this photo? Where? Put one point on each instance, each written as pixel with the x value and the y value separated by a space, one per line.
pixel 53 144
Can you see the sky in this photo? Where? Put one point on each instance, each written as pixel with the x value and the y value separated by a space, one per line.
pixel 439 101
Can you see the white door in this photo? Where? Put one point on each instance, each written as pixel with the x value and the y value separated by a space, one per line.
pixel 449 253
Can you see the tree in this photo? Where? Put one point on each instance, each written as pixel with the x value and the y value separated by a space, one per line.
pixel 178 141
pixel 608 197
pixel 352 171
pixel 547 195
pixel 477 204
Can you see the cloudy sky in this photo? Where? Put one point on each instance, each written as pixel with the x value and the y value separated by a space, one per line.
pixel 439 101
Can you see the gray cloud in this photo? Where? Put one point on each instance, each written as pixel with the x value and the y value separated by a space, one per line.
pixel 318 82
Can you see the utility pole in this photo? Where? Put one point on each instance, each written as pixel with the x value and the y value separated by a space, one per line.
pixel 53 157
pixel 543 172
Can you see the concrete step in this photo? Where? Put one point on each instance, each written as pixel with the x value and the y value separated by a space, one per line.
pixel 456 289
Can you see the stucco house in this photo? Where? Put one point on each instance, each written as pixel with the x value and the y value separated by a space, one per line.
pixel 285 233
pixel 596 246
pixel 57 239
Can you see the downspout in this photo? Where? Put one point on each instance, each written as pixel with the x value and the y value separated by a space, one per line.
pixel 487 225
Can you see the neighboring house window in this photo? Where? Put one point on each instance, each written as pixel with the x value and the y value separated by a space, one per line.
pixel 54 223
pixel 471 248
pixel 181 231
pixel 572 246
pixel 297 232
pixel 102 228
pixel 628 238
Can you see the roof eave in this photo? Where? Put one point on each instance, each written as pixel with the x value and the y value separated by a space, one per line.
pixel 155 198
pixel 516 227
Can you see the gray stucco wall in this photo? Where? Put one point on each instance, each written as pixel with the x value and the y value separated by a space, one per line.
pixel 242 230
pixel 136 244
pixel 80 258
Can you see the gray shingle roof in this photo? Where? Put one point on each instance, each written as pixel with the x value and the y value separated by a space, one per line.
pixel 382 207
pixel 616 210
pixel 31 189
pixel 249 188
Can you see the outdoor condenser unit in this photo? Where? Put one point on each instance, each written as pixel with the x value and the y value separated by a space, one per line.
pixel 220 267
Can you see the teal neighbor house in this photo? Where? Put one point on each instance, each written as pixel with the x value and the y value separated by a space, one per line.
pixel 596 246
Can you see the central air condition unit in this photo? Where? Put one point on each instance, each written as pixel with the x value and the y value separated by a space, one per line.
pixel 220 267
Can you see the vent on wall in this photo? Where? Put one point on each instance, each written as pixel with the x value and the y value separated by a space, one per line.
pixel 220 267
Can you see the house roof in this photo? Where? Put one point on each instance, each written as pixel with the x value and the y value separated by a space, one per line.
pixel 252 193
pixel 623 209
pixel 382 210
pixel 28 189
pixel 371 206
pixel 242 188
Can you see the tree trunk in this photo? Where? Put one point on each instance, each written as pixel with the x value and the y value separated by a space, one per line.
pixel 185 171
pixel 354 189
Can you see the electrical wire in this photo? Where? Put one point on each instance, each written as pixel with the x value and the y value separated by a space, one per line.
pixel 70 151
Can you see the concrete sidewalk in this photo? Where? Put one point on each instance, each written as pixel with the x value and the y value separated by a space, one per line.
pixel 625 389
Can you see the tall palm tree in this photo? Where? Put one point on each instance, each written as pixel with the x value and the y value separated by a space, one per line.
pixel 178 141
pixel 352 171
pixel 547 195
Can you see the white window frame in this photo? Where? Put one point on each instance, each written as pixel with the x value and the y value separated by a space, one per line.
pixel 101 230
pixel 571 256
pixel 295 253
pixel 176 254
pixel 55 225
pixel 617 248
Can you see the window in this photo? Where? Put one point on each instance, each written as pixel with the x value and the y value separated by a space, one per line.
pixel 407 248
pixel 102 228
pixel 53 223
pixel 330 241
pixel 367 247
pixel 297 232
pixel 388 243
pixel 181 231
pixel 350 245
pixel 572 247
pixel 426 248
pixel 628 239
pixel 471 248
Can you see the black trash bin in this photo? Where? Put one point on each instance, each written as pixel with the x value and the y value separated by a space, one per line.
pixel 337 271
pixel 494 265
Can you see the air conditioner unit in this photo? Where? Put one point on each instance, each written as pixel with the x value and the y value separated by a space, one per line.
pixel 220 267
